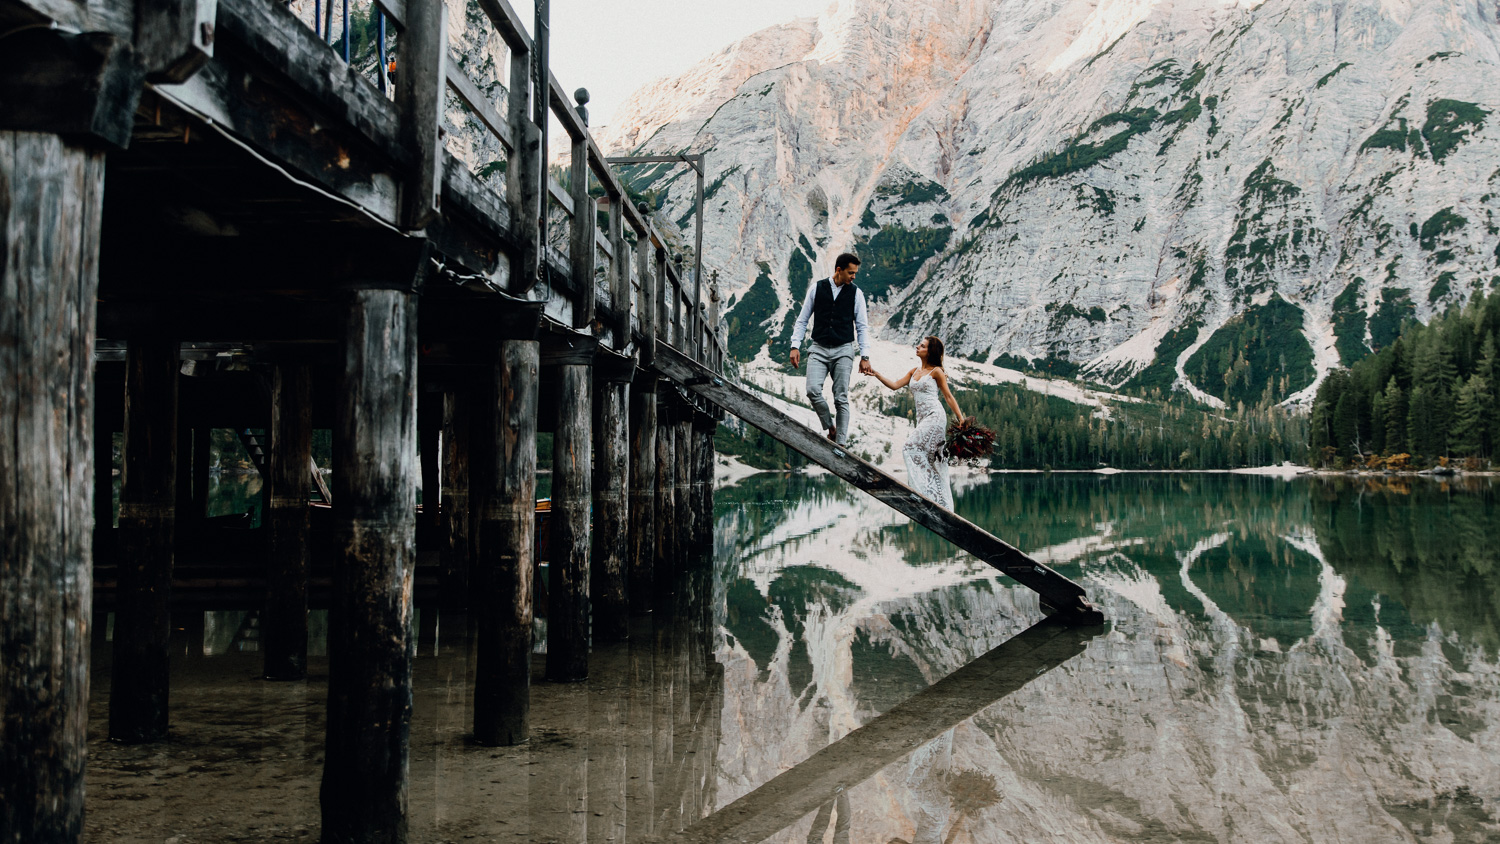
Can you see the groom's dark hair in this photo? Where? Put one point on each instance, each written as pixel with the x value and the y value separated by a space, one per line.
pixel 934 351
pixel 845 260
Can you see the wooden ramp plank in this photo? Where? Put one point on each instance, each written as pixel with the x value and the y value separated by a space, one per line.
pixel 1057 592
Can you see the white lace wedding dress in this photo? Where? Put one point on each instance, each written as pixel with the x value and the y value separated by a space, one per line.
pixel 926 469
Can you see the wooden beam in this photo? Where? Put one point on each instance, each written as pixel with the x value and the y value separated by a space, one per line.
pixel 561 196
pixel 364 791
pixel 562 109
pixel 510 26
pixel 51 196
pixel 1059 592
pixel 480 104
pixel 174 38
pixel 284 628
pixel 507 548
pixel 419 95
pixel 147 533
pixel 290 53
pixel 65 84
pixel 395 12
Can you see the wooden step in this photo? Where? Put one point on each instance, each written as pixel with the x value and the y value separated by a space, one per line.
pixel 1058 593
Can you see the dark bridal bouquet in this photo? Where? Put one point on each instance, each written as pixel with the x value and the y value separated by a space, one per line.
pixel 969 442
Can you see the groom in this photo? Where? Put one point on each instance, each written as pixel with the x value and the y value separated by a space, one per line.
pixel 837 309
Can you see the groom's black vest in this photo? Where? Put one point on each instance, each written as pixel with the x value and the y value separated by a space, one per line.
pixel 833 319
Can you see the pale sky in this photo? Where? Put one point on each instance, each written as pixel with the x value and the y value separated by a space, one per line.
pixel 613 47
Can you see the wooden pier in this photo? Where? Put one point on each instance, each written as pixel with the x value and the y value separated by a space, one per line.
pixel 209 220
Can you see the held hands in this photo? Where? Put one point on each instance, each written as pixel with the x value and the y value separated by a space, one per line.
pixel 865 368
pixel 796 358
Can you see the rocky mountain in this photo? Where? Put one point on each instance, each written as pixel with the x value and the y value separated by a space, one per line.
pixel 1225 196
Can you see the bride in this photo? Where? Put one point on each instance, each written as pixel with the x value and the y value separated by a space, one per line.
pixel 926 468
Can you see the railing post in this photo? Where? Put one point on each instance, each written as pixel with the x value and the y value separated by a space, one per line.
pixel 541 87
pixel 620 272
pixel 697 323
pixel 419 95
pixel 650 311
pixel 523 178
pixel 582 251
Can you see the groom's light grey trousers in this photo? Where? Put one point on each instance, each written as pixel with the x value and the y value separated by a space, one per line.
pixel 838 361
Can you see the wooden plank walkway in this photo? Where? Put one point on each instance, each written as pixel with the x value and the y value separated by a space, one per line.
pixel 1058 593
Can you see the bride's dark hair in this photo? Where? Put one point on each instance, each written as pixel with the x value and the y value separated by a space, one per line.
pixel 934 351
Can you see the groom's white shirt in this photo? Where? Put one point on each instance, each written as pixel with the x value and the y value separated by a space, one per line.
pixel 861 315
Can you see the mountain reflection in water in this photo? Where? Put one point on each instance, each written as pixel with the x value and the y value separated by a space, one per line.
pixel 1306 660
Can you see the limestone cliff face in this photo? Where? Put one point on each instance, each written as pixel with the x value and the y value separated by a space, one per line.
pixel 1216 194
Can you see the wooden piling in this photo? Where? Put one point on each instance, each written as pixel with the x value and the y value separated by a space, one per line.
pixel 50 200
pixel 202 438
pixel 664 561
pixel 454 550
pixel 642 541
pixel 506 548
pixel 704 426
pixel 608 579
pixel 148 491
pixel 682 488
pixel 284 628
pixel 569 544
pixel 370 646
pixel 429 431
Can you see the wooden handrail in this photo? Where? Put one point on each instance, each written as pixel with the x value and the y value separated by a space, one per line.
pixel 477 102
pixel 684 324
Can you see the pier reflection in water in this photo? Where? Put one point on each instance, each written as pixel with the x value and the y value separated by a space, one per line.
pixel 1313 660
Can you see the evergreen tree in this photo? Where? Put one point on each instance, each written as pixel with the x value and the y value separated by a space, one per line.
pixel 1395 415
pixel 1474 418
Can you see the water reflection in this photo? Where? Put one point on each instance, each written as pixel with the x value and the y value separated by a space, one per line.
pixel 1315 660
pixel 1291 661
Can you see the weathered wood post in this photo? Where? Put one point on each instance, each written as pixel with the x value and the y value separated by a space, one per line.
pixel 429 431
pixel 609 589
pixel 370 643
pixel 569 543
pixel 610 577
pixel 642 491
pixel 456 543
pixel 148 491
pixel 506 550
pixel 50 201
pixel 682 486
pixel 284 631
pixel 665 562
pixel 202 439
pixel 704 426
pixel 104 468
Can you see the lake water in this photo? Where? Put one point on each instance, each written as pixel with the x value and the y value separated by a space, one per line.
pixel 1304 660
